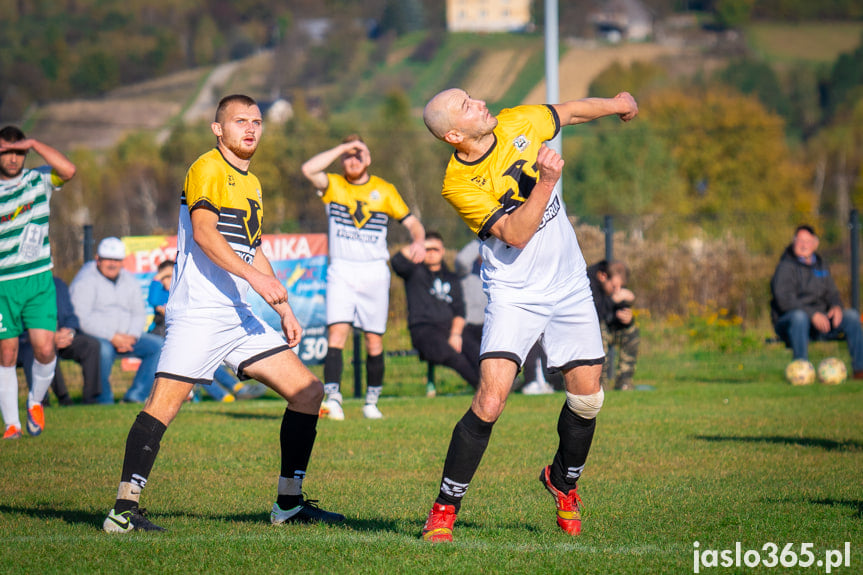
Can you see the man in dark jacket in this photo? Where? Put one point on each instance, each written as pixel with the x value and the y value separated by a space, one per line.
pixel 435 308
pixel 806 303
pixel 614 307
pixel 70 344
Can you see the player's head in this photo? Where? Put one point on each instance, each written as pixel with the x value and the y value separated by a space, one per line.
pixel 356 161
pixel 434 249
pixel 805 241
pixel 238 125
pixel 12 161
pixel 453 116
pixel 109 257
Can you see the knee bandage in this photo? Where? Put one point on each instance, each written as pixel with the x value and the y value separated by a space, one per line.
pixel 586 406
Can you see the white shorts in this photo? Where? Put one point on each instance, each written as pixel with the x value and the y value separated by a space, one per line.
pixel 196 345
pixel 359 293
pixel 568 330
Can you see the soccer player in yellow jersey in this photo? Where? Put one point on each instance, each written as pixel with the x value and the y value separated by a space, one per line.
pixel 209 321
pixel 359 207
pixel 501 180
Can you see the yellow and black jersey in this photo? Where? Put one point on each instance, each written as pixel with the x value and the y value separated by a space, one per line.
pixel 359 215
pixel 212 183
pixel 499 182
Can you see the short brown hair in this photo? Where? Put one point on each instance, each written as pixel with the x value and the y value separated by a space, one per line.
pixel 228 100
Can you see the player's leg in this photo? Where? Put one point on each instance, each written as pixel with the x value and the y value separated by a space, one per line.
pixel 627 340
pixel 142 447
pixel 337 336
pixel 574 345
pixel 374 374
pixel 285 373
pixel 44 364
pixel 9 387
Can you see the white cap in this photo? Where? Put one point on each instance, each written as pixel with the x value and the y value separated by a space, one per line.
pixel 112 249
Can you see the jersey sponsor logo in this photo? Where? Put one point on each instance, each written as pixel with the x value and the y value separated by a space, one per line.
pixel 18 211
pixel 521 143
pixel 550 212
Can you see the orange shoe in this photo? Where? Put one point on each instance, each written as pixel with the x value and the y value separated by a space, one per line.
pixel 35 419
pixel 568 504
pixel 12 432
pixel 438 526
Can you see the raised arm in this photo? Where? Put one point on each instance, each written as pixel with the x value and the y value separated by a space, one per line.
pixel 416 250
pixel 314 168
pixel 62 166
pixel 519 226
pixel 588 109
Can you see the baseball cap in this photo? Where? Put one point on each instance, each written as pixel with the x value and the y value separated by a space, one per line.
pixel 112 249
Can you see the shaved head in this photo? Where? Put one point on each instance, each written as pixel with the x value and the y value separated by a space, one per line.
pixel 436 113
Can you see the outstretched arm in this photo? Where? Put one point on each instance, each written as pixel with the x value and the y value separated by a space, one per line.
pixel 63 167
pixel 416 250
pixel 588 109
pixel 314 168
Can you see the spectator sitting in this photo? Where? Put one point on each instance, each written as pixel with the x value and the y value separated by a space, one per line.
pixel 614 308
pixel 108 302
pixel 70 344
pixel 537 379
pixel 806 303
pixel 435 308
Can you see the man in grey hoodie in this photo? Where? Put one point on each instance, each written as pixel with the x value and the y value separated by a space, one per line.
pixel 806 303
pixel 110 305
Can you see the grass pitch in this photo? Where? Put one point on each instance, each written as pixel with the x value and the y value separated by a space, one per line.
pixel 721 452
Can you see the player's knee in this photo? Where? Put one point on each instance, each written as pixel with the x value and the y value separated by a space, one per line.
pixel 586 406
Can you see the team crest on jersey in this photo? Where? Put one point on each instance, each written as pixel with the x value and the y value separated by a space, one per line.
pixel 375 195
pixel 521 143
pixel 253 221
pixel 361 214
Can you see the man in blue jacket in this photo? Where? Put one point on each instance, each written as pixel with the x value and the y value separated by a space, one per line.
pixel 806 303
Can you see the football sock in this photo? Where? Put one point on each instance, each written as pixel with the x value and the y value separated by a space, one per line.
pixel 333 366
pixel 372 395
pixel 43 375
pixel 9 396
pixel 467 446
pixel 142 446
pixel 576 435
pixel 297 437
pixel 375 371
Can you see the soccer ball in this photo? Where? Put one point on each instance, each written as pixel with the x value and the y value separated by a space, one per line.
pixel 800 372
pixel 831 371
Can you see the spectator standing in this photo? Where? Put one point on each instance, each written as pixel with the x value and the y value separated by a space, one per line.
pixel 613 301
pixel 806 303
pixel 435 308
pixel 71 343
pixel 359 207
pixel 27 297
pixel 108 301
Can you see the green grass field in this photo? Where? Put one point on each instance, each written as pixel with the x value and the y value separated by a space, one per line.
pixel 721 451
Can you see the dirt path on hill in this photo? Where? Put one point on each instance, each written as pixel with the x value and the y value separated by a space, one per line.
pixel 579 66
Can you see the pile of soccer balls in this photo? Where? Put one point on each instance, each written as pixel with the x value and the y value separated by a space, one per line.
pixel 831 371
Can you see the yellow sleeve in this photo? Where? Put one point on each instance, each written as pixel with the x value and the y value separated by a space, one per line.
pixel 477 208
pixel 396 206
pixel 205 184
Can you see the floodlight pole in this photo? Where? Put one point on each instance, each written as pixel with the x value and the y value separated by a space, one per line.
pixel 552 57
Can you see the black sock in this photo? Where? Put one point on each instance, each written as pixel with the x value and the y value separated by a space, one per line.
pixel 297 437
pixel 576 435
pixel 467 446
pixel 333 366
pixel 375 370
pixel 142 446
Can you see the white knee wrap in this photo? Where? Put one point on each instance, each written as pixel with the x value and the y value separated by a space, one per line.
pixel 587 406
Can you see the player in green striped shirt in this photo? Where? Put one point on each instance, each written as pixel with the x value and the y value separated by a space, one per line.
pixel 27 297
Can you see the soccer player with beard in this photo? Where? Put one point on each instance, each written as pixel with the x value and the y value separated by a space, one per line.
pixel 209 321
pixel 501 180
pixel 27 295
pixel 359 206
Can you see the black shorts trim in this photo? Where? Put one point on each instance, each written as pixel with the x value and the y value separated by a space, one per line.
pixel 263 355
pixel 184 379
pixel 577 363
pixel 502 355
pixel 380 333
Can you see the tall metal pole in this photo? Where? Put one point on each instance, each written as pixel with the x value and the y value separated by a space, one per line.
pixel 854 225
pixel 88 243
pixel 552 57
